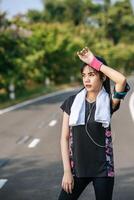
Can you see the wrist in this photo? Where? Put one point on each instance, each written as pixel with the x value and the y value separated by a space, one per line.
pixel 67 171
pixel 95 63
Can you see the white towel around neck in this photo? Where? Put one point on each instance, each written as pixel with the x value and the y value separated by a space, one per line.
pixel 102 111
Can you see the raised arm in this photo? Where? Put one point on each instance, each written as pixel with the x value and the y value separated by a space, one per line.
pixel 118 78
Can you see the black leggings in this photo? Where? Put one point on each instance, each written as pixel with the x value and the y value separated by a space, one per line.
pixel 103 187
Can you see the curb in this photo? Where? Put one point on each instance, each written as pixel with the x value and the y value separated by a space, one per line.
pixel 28 102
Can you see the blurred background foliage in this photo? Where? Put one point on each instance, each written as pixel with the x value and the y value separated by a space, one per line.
pixel 39 48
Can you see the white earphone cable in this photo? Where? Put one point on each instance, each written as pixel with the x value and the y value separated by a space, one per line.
pixel 102 146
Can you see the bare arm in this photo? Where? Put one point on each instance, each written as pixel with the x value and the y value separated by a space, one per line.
pixel 67 181
pixel 65 142
pixel 118 78
pixel 115 76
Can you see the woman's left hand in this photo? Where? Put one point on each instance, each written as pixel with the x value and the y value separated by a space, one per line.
pixel 85 55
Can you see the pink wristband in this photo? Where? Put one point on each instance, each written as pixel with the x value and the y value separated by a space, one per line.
pixel 96 64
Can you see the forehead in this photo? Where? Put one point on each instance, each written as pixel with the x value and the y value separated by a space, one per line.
pixel 88 69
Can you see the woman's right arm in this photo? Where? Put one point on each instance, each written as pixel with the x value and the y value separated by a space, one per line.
pixel 67 181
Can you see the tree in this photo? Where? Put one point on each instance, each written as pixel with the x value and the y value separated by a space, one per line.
pixel 119 16
pixel 3 21
pixel 13 49
pixel 35 16
pixel 54 11
pixel 117 22
pixel 75 11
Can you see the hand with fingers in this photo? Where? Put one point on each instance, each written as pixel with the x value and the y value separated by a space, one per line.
pixel 88 57
pixel 68 182
pixel 85 55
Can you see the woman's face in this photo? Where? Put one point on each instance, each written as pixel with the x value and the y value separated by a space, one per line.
pixel 91 79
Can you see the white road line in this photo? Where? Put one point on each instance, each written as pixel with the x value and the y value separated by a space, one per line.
pixel 23 139
pixel 41 125
pixel 20 105
pixel 131 105
pixel 52 123
pixel 34 143
pixel 2 182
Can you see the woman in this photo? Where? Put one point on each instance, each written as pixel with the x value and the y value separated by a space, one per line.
pixel 86 140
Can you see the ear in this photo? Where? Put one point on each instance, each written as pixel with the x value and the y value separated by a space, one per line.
pixel 104 78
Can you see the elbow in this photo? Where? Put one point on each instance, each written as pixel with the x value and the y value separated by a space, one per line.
pixel 123 80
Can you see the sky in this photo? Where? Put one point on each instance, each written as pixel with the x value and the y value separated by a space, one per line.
pixel 21 6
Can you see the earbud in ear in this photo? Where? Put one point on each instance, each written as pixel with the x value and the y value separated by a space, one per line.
pixel 104 78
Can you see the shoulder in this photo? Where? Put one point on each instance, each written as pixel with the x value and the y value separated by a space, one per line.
pixel 67 103
pixel 70 99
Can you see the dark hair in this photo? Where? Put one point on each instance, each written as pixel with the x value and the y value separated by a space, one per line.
pixel 106 83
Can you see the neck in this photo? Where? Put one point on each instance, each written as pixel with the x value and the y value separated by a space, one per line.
pixel 91 96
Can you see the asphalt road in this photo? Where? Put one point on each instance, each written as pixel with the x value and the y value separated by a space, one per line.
pixel 30 158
